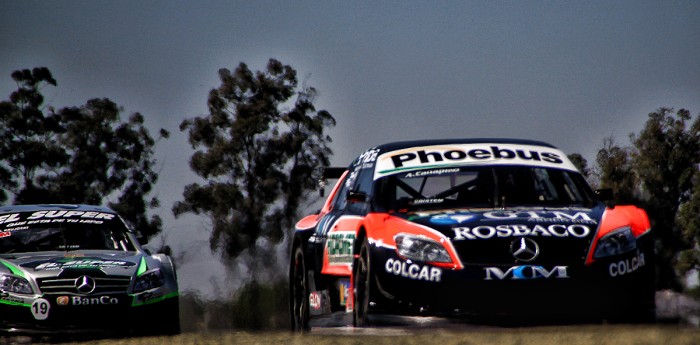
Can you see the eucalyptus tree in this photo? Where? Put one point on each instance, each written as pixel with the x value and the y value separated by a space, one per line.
pixel 82 154
pixel 259 151
pixel 667 153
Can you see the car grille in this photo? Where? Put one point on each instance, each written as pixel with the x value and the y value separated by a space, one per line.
pixel 103 285
pixel 552 251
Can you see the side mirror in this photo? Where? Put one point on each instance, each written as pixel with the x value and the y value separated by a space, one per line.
pixel 354 197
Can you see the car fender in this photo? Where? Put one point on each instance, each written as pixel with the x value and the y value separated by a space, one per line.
pixel 617 217
pixel 381 229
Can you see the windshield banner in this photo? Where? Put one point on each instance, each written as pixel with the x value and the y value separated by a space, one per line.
pixel 445 156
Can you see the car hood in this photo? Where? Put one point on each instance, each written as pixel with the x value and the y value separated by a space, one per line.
pixel 108 263
pixel 491 236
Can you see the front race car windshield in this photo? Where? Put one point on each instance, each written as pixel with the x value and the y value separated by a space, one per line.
pixel 483 187
pixel 66 237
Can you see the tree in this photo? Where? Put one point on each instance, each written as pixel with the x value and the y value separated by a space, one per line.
pixel 616 171
pixel 581 164
pixel 108 157
pixel 689 222
pixel 28 144
pixel 77 155
pixel 667 152
pixel 259 159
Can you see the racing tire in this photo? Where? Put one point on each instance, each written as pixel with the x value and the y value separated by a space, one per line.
pixel 362 277
pixel 298 292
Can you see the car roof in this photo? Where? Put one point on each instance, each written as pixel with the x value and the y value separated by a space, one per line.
pixel 54 207
pixel 398 145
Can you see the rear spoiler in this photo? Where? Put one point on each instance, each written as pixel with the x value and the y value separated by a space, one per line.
pixel 329 173
pixel 333 172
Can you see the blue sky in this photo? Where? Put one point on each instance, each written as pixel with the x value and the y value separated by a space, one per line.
pixel 567 72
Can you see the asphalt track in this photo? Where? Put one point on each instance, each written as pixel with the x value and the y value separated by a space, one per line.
pixel 338 329
pixel 422 331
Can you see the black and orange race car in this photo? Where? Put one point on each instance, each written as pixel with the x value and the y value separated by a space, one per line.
pixel 469 227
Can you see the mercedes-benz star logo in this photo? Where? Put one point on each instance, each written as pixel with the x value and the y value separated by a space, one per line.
pixel 524 249
pixel 85 284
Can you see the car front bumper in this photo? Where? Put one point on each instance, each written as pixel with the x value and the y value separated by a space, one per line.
pixel 610 287
pixel 64 314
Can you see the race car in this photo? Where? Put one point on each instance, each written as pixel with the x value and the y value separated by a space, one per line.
pixel 78 268
pixel 470 228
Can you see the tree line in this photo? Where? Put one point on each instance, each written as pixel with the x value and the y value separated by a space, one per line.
pixel 260 150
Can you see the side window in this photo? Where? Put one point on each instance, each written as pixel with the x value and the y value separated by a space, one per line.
pixel 363 184
pixel 359 180
pixel 341 198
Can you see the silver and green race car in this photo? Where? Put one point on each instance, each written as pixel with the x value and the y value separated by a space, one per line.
pixel 73 268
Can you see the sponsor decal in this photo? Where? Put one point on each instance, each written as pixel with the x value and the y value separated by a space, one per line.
pixel 9 218
pixel 433 172
pixel 366 159
pixel 40 309
pixel 350 181
pixel 70 214
pixel 83 263
pixel 343 290
pixel 542 216
pixel 456 154
pixel 339 246
pixel 427 201
pixel 456 216
pixel 22 221
pixel 83 301
pixel 526 272
pixel 469 154
pixel 148 297
pixel 62 300
pixel 513 230
pixel 450 219
pixel 413 271
pixel 626 266
pixel 12 300
pixel 315 300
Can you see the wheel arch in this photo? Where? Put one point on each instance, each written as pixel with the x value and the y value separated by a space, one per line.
pixel 359 238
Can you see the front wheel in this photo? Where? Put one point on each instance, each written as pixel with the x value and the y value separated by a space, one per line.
pixel 298 292
pixel 362 278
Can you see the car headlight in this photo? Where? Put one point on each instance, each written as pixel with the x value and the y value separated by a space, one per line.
pixel 149 280
pixel 617 242
pixel 420 248
pixel 16 284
